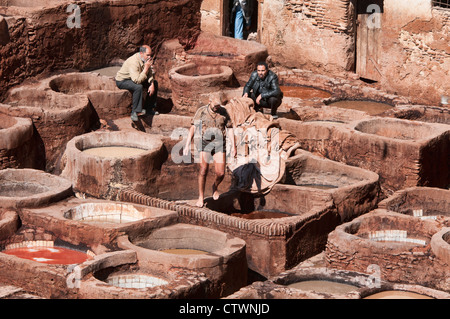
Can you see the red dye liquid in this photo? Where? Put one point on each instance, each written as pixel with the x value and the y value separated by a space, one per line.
pixel 49 255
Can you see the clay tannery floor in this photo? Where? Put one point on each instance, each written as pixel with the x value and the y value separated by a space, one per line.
pixel 345 194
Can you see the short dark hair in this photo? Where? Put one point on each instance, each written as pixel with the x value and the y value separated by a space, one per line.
pixel 262 63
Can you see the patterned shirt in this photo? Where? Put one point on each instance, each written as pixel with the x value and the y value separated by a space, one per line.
pixel 210 122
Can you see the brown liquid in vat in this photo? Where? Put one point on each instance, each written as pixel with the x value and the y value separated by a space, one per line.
pixel 371 108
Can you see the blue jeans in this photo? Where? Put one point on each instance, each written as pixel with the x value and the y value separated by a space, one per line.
pixel 138 91
pixel 239 22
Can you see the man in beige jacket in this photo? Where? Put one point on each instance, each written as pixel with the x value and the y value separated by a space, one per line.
pixel 135 75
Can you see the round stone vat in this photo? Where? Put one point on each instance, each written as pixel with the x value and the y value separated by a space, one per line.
pixel 322 282
pixel 100 163
pixel 221 257
pixel 192 83
pixel 423 113
pixel 369 107
pixel 117 275
pixel 9 223
pixel 308 283
pixel 396 129
pixel 111 212
pixel 398 244
pixel 31 188
pixel 47 252
pixel 19 146
pixel 107 99
pixel 420 202
pixel 56 117
pixel 440 243
pixel 400 291
pixel 328 283
pixel 95 220
pixel 241 56
pixel 40 263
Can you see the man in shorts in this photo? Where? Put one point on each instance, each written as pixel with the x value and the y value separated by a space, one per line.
pixel 210 126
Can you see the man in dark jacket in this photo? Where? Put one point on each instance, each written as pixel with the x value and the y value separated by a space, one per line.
pixel 263 89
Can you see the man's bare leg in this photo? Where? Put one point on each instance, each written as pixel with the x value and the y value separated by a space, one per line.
pixel 219 169
pixel 202 179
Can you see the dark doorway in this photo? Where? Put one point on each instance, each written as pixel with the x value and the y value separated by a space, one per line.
pixel 228 20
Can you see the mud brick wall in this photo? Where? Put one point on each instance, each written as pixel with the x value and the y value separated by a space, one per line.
pixel 348 248
pixel 39 39
pixel 309 34
pixel 415 59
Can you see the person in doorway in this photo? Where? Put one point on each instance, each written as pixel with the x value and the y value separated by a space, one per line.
pixel 241 14
pixel 136 75
pixel 263 88
pixel 214 124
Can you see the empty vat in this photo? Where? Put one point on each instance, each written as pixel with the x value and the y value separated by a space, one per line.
pixel 421 202
pixel 56 117
pixel 101 175
pixel 19 144
pixel 218 255
pixel 193 83
pixel 106 98
pixel 396 129
pixel 241 56
pixel 31 188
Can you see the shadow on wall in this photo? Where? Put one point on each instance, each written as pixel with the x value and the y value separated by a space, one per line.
pixel 48 43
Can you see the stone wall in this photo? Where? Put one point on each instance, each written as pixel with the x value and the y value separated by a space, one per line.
pixel 415 56
pixel 45 39
pixel 316 35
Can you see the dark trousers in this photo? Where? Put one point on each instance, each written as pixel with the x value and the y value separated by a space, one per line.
pixel 139 91
pixel 271 103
